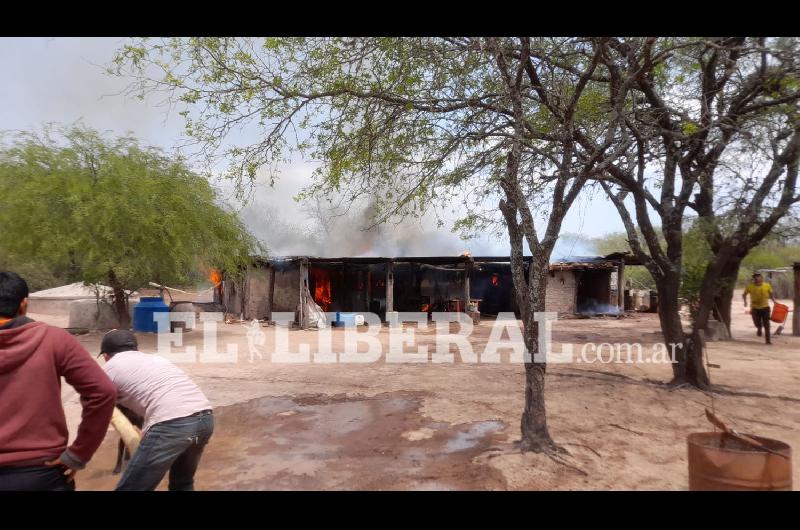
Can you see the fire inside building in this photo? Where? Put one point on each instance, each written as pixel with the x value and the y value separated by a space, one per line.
pixel 479 285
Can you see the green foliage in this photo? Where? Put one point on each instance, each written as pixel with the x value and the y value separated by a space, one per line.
pixel 408 122
pixel 773 253
pixel 38 276
pixel 690 128
pixel 696 255
pixel 75 205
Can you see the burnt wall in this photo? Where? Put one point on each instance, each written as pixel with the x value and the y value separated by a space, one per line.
pixel 419 287
pixel 257 292
pixel 491 283
pixel 287 288
pixel 348 287
pixel 594 291
pixel 232 296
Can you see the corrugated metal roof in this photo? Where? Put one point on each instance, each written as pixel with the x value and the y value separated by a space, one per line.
pixel 609 261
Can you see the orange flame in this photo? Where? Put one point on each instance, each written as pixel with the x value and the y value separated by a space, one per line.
pixel 495 279
pixel 426 308
pixel 322 288
pixel 215 277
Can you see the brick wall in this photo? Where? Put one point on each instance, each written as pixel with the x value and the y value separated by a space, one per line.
pixel 560 296
pixel 287 289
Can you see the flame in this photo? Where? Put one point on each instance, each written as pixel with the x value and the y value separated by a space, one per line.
pixel 466 253
pixel 495 279
pixel 426 308
pixel 322 288
pixel 215 277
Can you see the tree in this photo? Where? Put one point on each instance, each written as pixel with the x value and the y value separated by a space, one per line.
pixel 638 276
pixel 111 211
pixel 411 124
pixel 695 104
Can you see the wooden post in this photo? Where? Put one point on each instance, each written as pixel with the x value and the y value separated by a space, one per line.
pixel 367 275
pixel 302 320
pixel 389 286
pixel 795 314
pixel 576 280
pixel 245 292
pixel 349 288
pixel 271 294
pixel 467 274
pixel 621 285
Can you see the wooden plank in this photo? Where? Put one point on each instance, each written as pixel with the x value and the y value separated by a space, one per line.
pixel 271 299
pixel 467 276
pixel 389 287
pixel 129 434
pixel 302 320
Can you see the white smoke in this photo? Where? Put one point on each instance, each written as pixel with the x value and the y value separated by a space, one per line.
pixel 322 232
pixel 62 80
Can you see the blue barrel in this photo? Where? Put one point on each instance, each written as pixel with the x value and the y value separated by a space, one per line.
pixel 144 312
pixel 345 319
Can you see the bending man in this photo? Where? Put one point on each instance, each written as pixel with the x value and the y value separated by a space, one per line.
pixel 178 421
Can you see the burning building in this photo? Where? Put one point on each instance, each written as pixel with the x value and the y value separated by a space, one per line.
pixel 427 284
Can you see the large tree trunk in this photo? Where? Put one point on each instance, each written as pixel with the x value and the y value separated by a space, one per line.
pixel 696 373
pixel 533 425
pixel 529 293
pixel 688 350
pixel 120 301
pixel 535 435
pixel 671 327
pixel 723 298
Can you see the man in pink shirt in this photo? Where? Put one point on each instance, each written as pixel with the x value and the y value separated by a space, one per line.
pixel 178 421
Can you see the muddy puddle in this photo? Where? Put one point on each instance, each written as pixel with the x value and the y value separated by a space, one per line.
pixel 321 442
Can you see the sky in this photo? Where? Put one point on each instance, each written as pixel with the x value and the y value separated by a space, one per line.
pixel 61 80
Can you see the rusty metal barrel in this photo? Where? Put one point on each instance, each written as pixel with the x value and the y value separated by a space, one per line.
pixel 718 461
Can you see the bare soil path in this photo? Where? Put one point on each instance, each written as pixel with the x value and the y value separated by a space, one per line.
pixel 453 426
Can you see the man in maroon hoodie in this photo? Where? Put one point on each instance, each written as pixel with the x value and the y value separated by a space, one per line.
pixel 33 429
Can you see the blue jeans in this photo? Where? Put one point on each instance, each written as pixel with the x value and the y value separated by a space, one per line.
pixel 174 446
pixel 34 478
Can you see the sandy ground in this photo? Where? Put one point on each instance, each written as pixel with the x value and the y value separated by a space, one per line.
pixel 453 426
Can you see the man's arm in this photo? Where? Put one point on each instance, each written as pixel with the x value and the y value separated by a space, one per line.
pixel 744 296
pixel 98 398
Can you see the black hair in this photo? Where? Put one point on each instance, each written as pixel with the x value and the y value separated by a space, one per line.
pixel 13 290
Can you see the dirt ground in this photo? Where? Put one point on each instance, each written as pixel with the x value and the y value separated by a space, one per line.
pixel 453 426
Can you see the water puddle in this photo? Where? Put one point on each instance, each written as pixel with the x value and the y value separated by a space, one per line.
pixel 473 436
pixel 336 442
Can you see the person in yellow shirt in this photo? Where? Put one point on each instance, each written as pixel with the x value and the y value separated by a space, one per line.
pixel 760 294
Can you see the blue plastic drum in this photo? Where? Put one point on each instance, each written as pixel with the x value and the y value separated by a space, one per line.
pixel 144 313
